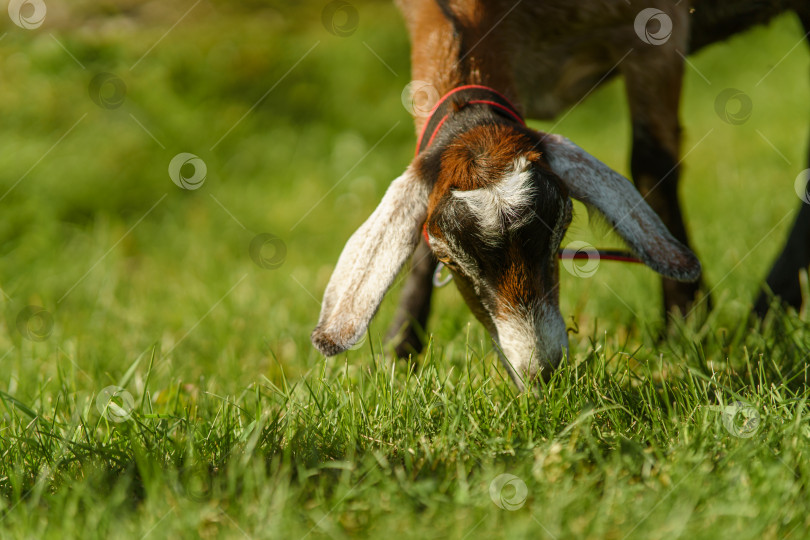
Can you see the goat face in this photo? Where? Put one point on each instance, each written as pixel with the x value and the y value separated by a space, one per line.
pixel 494 200
pixel 496 218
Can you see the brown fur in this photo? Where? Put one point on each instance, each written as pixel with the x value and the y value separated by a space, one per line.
pixel 519 285
pixel 480 157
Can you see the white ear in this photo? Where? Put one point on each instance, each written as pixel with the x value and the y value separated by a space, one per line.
pixel 371 260
pixel 597 185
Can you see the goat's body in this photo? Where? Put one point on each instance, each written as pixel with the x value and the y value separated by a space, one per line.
pixel 559 71
pixel 570 48
pixel 718 20
pixel 547 56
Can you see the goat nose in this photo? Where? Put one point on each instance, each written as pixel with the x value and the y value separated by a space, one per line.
pixel 532 347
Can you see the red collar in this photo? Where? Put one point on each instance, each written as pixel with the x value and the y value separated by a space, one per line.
pixel 470 94
pixel 455 100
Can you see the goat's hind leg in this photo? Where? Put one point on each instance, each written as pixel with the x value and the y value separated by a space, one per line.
pixel 410 321
pixel 783 279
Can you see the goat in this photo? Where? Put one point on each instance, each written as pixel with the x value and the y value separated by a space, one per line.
pixel 493 197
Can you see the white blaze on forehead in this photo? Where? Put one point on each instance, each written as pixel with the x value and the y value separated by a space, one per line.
pixel 503 203
pixel 531 341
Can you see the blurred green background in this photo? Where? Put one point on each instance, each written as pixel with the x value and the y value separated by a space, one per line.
pixel 301 130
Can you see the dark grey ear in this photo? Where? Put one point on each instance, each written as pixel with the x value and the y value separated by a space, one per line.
pixel 371 260
pixel 597 185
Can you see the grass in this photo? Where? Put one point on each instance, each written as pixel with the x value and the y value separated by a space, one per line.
pixel 176 393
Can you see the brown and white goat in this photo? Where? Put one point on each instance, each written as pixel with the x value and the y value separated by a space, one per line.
pixel 494 197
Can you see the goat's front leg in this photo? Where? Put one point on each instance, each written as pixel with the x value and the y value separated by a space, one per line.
pixel 653 79
pixel 412 313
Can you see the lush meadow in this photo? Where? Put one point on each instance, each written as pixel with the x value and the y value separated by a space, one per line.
pixel 156 375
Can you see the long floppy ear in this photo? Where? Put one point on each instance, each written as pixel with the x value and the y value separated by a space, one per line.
pixel 597 185
pixel 371 260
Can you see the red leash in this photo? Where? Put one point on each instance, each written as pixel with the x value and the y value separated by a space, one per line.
pixel 483 95
pixel 618 255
